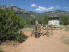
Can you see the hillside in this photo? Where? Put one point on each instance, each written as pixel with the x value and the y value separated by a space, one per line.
pixel 58 13
pixel 24 13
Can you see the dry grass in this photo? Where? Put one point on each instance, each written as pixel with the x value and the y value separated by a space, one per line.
pixel 66 28
pixel 65 40
pixel 26 29
pixel 1 49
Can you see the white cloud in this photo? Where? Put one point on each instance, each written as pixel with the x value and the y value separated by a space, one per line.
pixel 50 8
pixel 33 5
pixel 41 8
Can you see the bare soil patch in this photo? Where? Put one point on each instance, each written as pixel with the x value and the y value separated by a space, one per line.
pixel 42 44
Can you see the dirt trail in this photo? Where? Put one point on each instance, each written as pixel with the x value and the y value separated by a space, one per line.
pixel 42 44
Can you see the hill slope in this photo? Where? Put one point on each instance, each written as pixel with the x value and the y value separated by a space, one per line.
pixel 24 13
pixel 58 13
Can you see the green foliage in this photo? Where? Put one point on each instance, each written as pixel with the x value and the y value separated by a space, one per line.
pixel 44 20
pixel 64 20
pixel 21 37
pixel 29 21
pixel 10 23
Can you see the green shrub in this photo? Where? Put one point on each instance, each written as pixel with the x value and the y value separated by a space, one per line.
pixel 10 23
pixel 21 37
pixel 44 19
pixel 64 20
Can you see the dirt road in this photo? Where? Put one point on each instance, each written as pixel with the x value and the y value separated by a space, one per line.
pixel 42 44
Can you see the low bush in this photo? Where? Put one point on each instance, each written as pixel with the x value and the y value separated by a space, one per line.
pixel 21 38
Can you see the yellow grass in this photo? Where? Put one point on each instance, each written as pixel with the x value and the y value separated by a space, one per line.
pixel 0 49
pixel 65 40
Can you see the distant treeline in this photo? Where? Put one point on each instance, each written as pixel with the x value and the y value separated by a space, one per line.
pixel 64 20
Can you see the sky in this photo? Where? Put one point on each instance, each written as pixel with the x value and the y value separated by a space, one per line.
pixel 38 5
